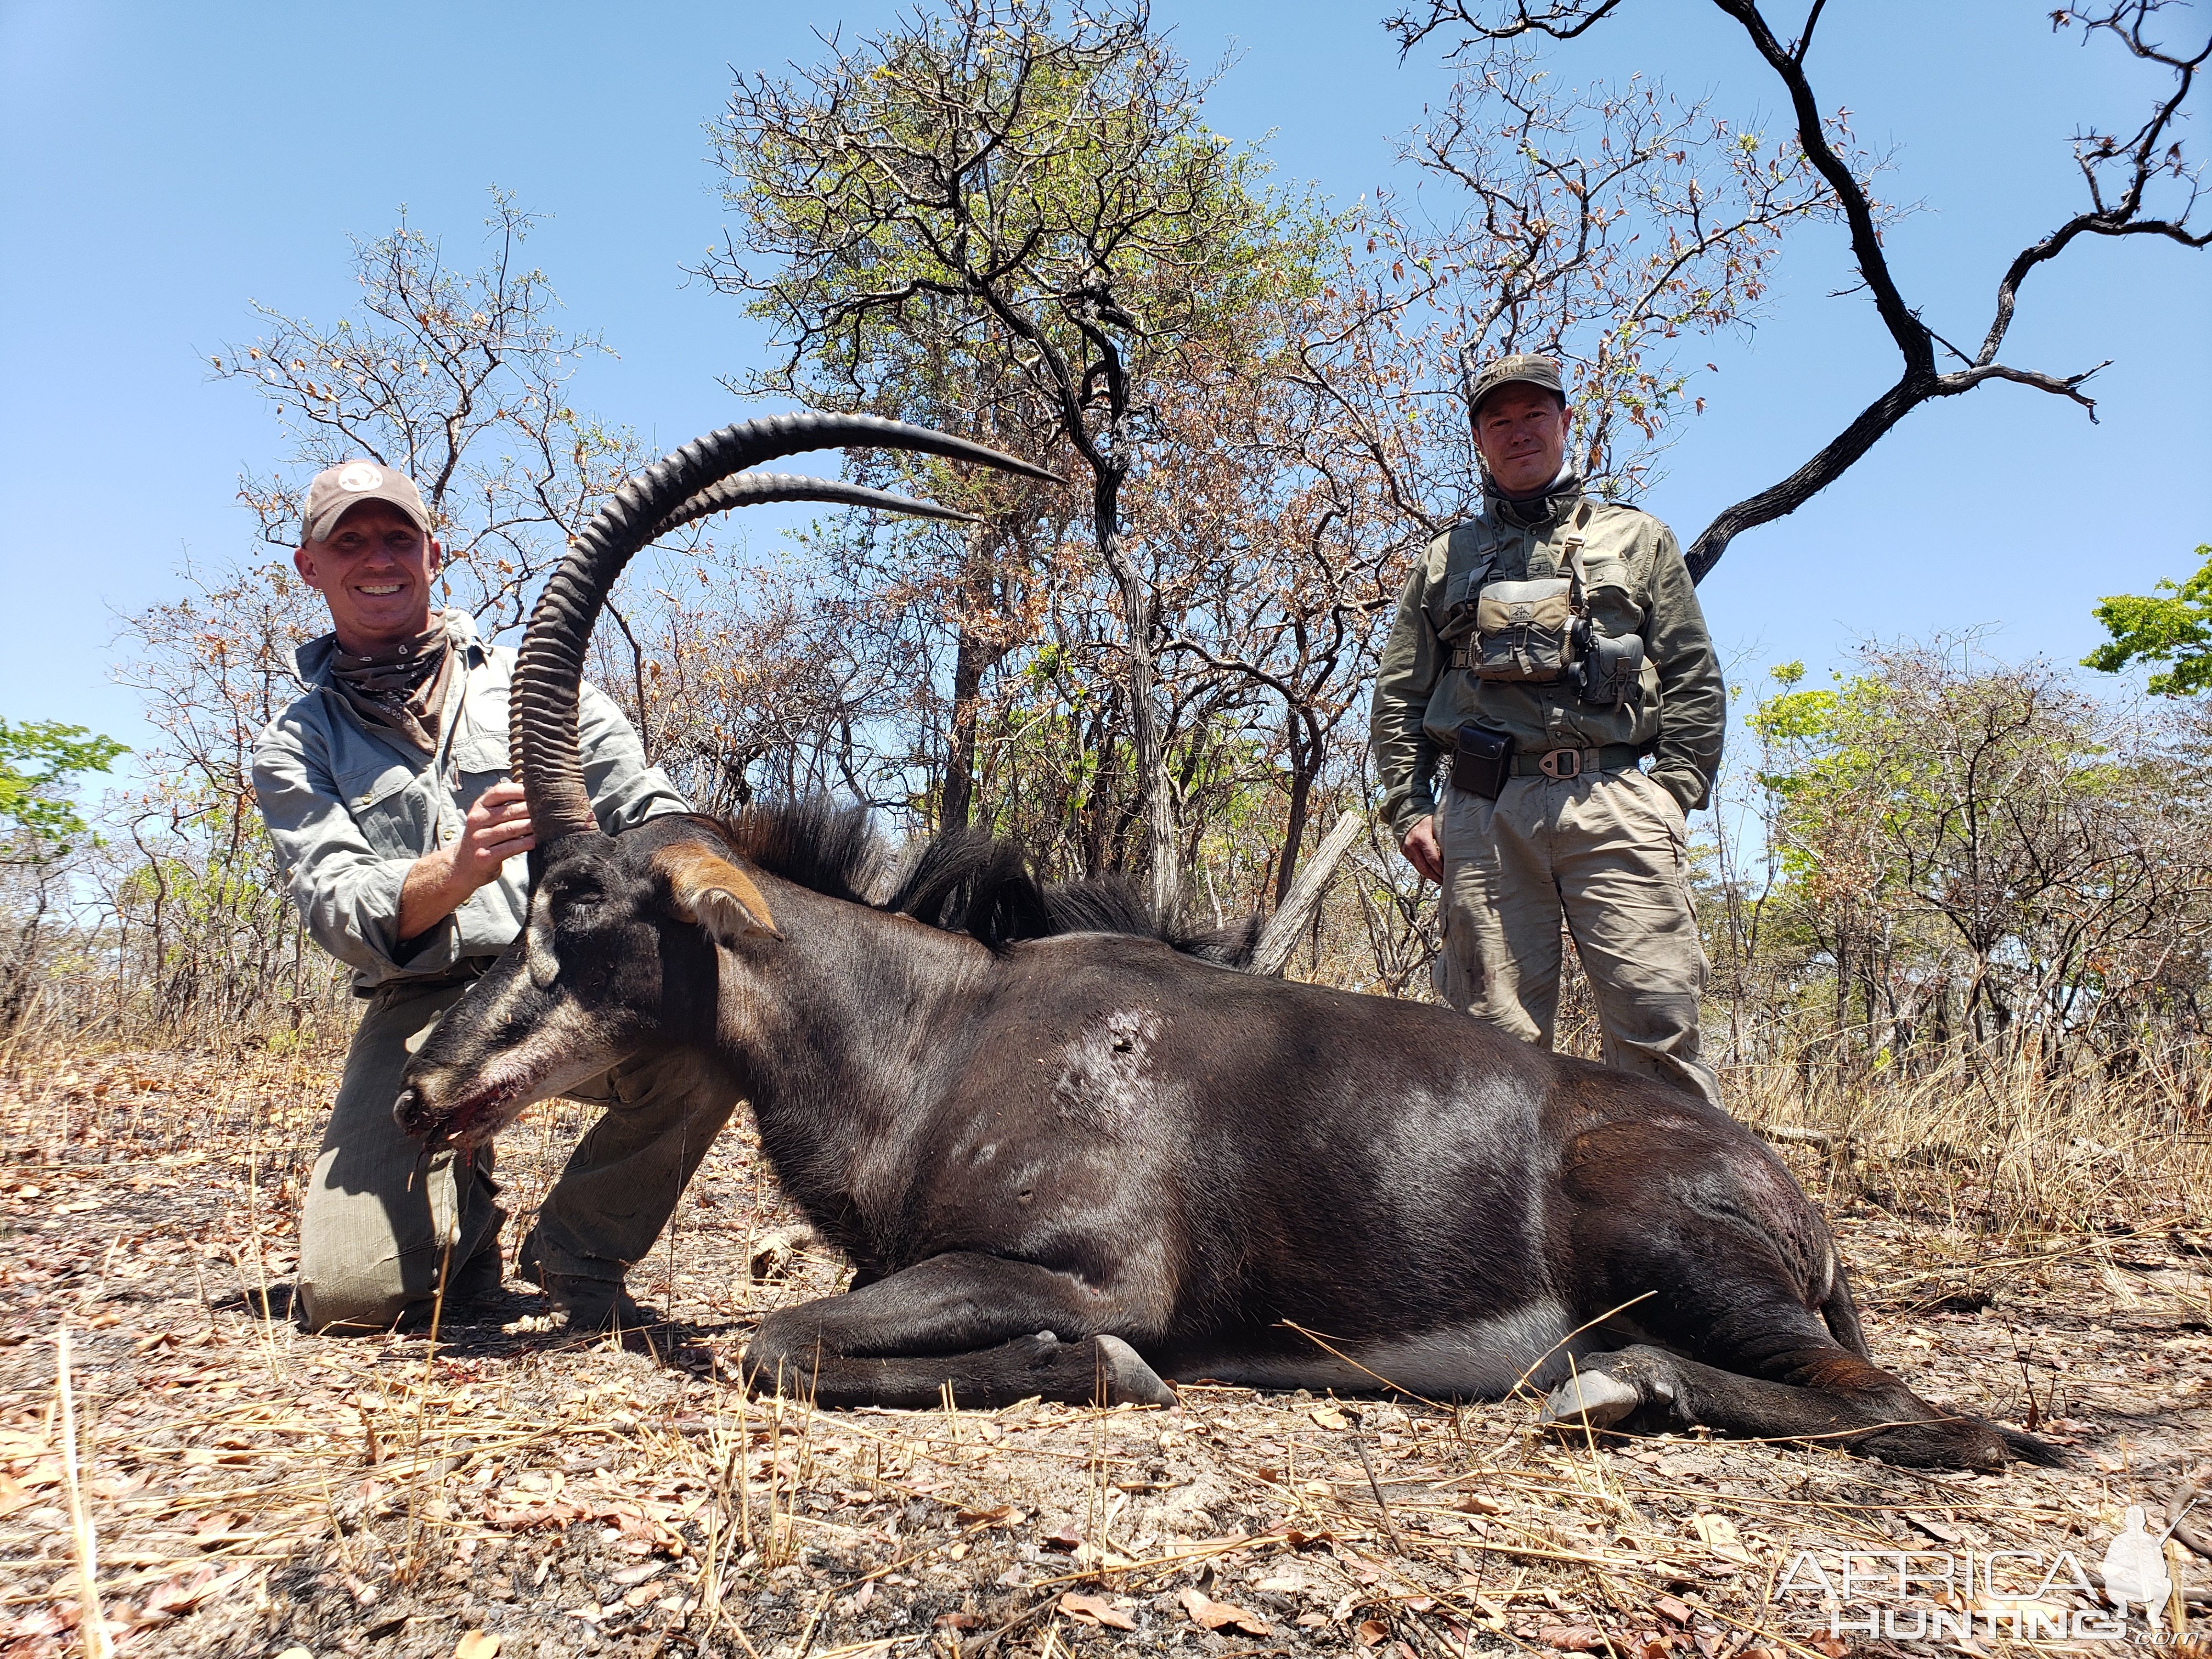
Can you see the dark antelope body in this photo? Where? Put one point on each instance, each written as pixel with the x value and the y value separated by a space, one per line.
pixel 1071 1154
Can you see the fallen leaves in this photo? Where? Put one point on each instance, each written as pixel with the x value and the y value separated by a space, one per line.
pixel 477 1644
pixel 175 1596
pixel 1718 1534
pixel 1571 1638
pixel 1936 1530
pixel 773 1252
pixel 1330 1418
pixel 1097 1610
pixel 1210 1614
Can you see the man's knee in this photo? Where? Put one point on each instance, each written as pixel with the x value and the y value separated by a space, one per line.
pixel 676 1084
pixel 374 1232
pixel 359 1307
pixel 352 1277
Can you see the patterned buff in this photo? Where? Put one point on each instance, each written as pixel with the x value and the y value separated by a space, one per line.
pixel 1546 507
pixel 402 690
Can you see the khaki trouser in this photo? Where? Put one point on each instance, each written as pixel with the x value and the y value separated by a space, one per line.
pixel 1610 851
pixel 377 1217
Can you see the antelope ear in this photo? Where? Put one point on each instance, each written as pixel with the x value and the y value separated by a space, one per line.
pixel 715 894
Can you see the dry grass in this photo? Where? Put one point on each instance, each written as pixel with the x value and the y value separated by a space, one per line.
pixel 246 1489
pixel 2001 1150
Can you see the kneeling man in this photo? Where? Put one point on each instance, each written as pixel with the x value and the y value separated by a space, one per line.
pixel 384 788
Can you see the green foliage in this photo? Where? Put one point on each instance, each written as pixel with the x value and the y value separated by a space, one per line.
pixel 40 763
pixel 2173 624
pixel 1961 846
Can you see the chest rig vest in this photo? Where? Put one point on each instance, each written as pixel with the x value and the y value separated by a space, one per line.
pixel 1537 630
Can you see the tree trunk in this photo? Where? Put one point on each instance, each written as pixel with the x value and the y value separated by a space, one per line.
pixel 1154 792
pixel 1301 908
pixel 970 660
pixel 974 656
pixel 1294 832
pixel 1305 751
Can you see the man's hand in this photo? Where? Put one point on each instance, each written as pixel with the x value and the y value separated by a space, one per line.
pixel 440 883
pixel 498 827
pixel 1421 849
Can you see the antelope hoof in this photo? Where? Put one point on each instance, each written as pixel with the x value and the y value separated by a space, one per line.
pixel 1591 1398
pixel 1124 1379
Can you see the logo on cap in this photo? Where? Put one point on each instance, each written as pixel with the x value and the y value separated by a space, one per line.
pixel 359 476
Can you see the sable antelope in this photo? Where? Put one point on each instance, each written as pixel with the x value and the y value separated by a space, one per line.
pixel 1072 1153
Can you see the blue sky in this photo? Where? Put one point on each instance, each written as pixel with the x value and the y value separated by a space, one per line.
pixel 161 166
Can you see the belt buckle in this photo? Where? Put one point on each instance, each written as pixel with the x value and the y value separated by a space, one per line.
pixel 1560 765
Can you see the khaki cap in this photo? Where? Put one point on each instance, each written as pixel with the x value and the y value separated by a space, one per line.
pixel 337 490
pixel 1522 368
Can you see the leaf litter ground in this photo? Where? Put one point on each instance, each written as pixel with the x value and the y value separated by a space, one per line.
pixel 514 1489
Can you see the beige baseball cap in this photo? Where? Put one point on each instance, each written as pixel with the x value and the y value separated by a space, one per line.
pixel 337 490
pixel 1522 368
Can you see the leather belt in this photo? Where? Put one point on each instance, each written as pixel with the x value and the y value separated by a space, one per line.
pixel 1561 764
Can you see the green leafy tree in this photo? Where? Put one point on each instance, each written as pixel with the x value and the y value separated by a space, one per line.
pixel 40 763
pixel 2173 624
pixel 1978 848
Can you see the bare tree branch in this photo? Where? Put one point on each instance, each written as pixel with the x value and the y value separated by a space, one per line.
pixel 2119 174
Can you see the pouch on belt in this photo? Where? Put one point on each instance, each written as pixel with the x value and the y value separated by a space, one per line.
pixel 1482 760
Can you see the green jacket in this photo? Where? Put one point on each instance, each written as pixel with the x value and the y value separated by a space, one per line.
pixel 1635 583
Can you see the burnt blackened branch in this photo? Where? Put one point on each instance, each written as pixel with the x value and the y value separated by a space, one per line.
pixel 2119 173
pixel 1560 19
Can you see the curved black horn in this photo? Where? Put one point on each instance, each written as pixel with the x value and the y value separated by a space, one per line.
pixel 542 709
pixel 754 488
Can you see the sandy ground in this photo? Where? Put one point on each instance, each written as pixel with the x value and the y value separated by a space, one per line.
pixel 509 1489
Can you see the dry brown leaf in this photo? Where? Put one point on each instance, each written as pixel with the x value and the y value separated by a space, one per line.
pixel 477 1644
pixel 1371 1633
pixel 1095 1610
pixel 1330 1418
pixel 1210 1614
pixel 1571 1638
pixel 1935 1529
pixel 774 1253
pixel 1718 1534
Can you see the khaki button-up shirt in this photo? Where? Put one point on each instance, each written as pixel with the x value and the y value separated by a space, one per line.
pixel 351 808
pixel 1634 582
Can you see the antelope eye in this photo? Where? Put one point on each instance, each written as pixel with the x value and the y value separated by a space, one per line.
pixel 579 909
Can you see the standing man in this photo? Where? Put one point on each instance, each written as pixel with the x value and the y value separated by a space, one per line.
pixel 384 788
pixel 1543 649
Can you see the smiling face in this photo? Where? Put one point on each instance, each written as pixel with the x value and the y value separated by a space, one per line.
pixel 375 570
pixel 1521 431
